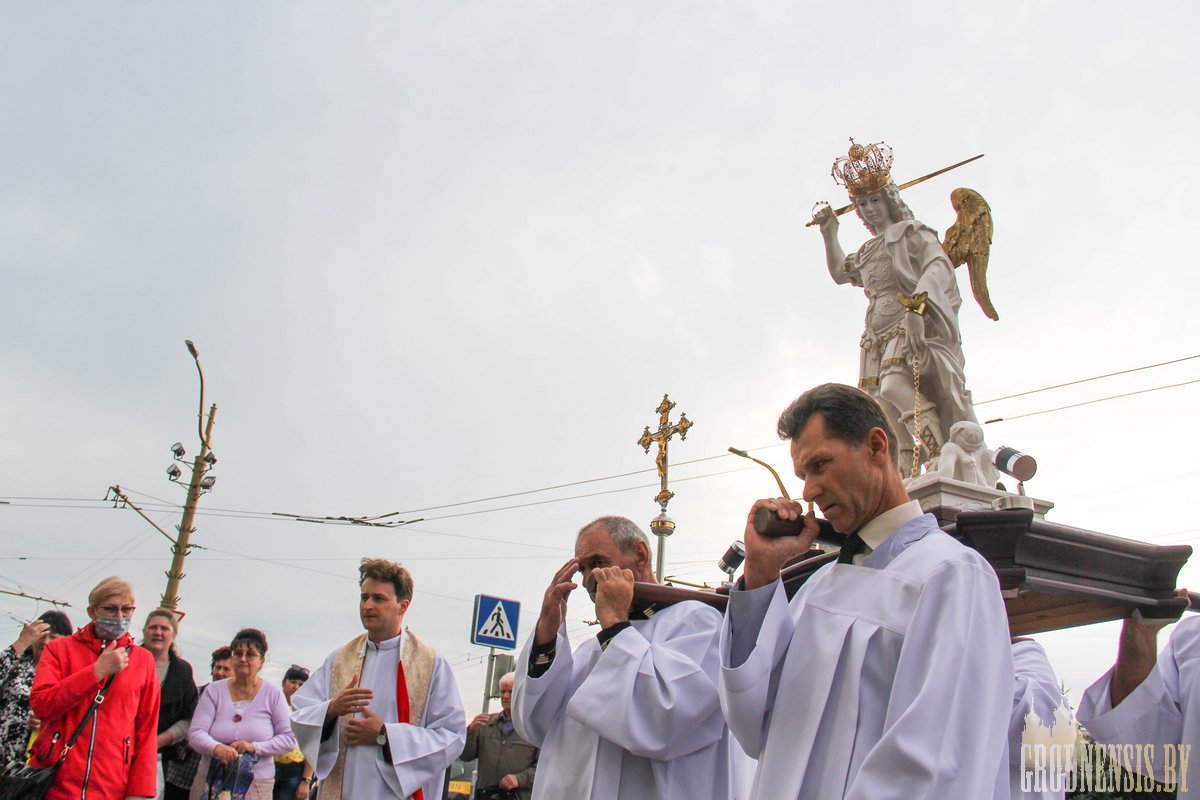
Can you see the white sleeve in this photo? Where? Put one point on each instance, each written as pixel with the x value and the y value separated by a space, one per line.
pixel 421 753
pixel 537 703
pixel 656 694
pixel 1150 715
pixel 754 639
pixel 308 719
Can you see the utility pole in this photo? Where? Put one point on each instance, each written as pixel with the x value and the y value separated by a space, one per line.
pixel 200 483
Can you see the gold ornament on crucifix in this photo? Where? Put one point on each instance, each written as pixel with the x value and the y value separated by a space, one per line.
pixel 662 526
pixel 663 435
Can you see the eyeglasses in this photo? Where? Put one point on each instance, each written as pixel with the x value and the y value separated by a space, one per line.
pixel 112 611
pixel 246 655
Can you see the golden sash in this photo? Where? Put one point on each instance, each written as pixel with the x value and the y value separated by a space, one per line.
pixel 416 661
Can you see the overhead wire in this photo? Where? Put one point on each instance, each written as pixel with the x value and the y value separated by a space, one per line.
pixel 112 555
pixel 557 486
pixel 254 515
pixel 245 514
pixel 217 511
pixel 342 575
pixel 583 496
pixel 1091 402
pixel 152 497
pixel 1086 380
pixel 264 514
pixel 25 587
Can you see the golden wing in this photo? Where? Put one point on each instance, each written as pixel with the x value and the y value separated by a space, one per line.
pixel 969 240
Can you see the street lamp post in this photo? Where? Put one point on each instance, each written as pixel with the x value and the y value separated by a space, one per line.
pixel 199 483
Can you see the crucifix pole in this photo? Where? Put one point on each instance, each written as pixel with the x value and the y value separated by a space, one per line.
pixel 662 525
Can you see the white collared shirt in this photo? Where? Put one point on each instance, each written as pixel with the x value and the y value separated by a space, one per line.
pixel 877 530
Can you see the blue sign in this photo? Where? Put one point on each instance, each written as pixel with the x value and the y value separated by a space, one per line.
pixel 495 622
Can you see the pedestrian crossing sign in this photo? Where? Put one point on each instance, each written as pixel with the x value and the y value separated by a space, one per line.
pixel 495 622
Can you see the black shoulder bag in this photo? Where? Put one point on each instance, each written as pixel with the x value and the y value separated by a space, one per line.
pixel 23 782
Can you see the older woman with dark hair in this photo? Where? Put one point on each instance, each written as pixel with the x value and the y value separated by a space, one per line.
pixel 18 662
pixel 242 716
pixel 178 689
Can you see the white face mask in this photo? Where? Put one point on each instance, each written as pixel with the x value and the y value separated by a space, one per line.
pixel 112 627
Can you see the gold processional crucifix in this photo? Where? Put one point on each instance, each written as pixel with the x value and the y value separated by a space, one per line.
pixel 662 525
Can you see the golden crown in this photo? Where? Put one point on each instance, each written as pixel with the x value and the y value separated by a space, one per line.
pixel 864 170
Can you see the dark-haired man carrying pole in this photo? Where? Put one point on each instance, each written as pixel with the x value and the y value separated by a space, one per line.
pixel 887 675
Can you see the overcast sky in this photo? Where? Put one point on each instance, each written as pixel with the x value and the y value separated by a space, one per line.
pixel 437 252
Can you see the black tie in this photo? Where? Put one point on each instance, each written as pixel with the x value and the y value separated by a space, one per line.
pixel 854 544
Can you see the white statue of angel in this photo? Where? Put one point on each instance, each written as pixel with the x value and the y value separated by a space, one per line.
pixel 913 300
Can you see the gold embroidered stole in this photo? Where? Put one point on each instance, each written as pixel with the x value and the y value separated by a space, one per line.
pixel 416 658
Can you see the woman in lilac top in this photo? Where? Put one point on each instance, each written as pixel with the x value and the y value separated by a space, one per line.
pixel 242 715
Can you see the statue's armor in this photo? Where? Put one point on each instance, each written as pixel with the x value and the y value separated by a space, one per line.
pixel 884 346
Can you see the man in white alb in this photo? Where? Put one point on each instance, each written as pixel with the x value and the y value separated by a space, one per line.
pixel 381 718
pixel 633 711
pixel 888 675
pixel 1152 702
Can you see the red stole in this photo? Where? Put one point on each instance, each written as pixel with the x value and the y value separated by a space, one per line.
pixel 404 712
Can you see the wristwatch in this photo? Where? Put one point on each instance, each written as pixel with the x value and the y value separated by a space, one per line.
pixel 381 739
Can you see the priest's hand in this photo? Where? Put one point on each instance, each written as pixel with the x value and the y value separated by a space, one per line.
pixel 765 555
pixel 351 700
pixel 554 602
pixel 614 594
pixel 364 729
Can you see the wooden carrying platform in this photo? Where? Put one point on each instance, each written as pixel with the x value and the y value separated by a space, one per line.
pixel 1055 576
pixel 1052 576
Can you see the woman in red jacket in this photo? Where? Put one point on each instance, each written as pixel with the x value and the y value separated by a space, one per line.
pixel 114 757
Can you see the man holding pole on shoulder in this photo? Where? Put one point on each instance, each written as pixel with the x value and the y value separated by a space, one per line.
pixel 888 674
pixel 633 711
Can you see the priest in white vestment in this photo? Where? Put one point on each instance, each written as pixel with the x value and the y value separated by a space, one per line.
pixel 381 719
pixel 888 675
pixel 633 711
pixel 1152 702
